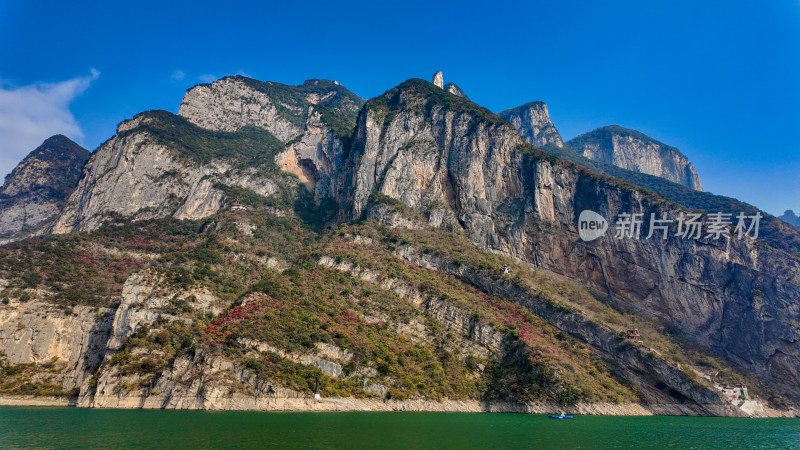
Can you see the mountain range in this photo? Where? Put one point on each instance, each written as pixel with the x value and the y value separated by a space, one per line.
pixel 411 251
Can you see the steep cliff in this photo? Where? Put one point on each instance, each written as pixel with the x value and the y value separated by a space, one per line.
pixel 632 150
pixel 234 134
pixel 462 167
pixel 313 121
pixel 158 164
pixel 36 190
pixel 532 120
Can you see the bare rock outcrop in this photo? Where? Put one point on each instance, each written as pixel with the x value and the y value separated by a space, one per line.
pixel 229 104
pixel 37 189
pixel 532 120
pixel 160 164
pixel 632 150
pixel 438 80
pixel 313 120
pixel 455 90
pixel 137 174
pixel 38 332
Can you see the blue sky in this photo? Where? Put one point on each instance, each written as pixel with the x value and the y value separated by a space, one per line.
pixel 718 80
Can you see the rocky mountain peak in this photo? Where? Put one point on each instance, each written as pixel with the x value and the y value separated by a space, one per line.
pixel 635 151
pixel 35 191
pixel 791 218
pixel 405 148
pixel 58 155
pixel 233 134
pixel 533 122
pixel 438 79
pixel 232 103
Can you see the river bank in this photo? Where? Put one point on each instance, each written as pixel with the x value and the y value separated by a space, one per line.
pixel 244 403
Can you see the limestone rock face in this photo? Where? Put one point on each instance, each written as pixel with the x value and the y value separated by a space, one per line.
pixel 38 332
pixel 229 104
pixel 459 167
pixel 632 150
pixel 438 80
pixel 455 90
pixel 136 175
pixel 464 163
pixel 532 120
pixel 313 120
pixel 35 191
pixel 140 174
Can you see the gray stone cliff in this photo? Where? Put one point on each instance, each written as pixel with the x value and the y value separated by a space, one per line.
pixel 438 80
pixel 532 120
pixel 138 175
pixel 36 190
pixel 632 150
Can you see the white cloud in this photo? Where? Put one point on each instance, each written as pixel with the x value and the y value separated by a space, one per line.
pixel 30 114
pixel 178 75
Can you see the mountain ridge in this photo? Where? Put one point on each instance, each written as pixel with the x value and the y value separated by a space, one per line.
pixel 633 150
pixel 377 241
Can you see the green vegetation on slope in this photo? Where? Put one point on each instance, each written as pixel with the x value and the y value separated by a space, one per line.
pixel 392 342
pixel 559 293
pixel 394 98
pixel 32 379
pixel 537 363
pixel 248 147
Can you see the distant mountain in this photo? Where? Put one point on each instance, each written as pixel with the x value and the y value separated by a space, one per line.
pixel 632 150
pixel 36 190
pixel 532 120
pixel 790 218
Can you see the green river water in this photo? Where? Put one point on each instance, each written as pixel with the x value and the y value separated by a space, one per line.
pixel 97 428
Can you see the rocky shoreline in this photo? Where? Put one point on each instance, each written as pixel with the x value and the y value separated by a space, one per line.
pixel 245 403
